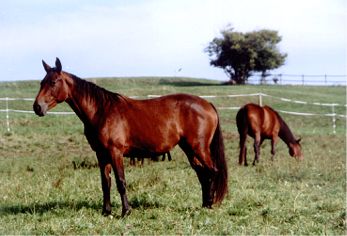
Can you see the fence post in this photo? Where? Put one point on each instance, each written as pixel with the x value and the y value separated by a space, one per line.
pixel 260 99
pixel 7 116
pixel 325 79
pixel 333 118
pixel 303 79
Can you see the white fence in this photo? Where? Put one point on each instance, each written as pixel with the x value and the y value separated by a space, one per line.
pixel 323 80
pixel 260 96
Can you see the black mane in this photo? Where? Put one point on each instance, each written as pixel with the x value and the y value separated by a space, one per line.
pixel 285 133
pixel 94 92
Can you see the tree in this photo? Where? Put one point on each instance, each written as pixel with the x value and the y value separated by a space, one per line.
pixel 241 54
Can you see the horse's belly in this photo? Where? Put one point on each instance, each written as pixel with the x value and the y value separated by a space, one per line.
pixel 154 141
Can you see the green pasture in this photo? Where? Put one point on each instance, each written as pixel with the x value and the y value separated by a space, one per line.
pixel 50 183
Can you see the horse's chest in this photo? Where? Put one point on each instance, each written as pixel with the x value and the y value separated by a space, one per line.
pixel 92 138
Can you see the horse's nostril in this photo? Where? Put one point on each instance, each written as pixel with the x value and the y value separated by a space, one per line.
pixel 37 109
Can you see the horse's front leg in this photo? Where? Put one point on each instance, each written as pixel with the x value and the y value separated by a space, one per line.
pixel 273 151
pixel 105 171
pixel 118 168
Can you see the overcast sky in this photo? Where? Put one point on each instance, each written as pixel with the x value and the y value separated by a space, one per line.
pixel 158 37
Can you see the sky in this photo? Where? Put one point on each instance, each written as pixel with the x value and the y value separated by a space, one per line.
pixel 100 38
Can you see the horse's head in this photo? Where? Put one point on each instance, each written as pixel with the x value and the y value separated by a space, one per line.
pixel 295 150
pixel 53 89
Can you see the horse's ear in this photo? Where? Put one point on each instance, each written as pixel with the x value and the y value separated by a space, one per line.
pixel 298 140
pixel 58 65
pixel 46 66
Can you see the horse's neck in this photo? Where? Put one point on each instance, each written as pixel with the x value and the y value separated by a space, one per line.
pixel 79 109
pixel 82 104
pixel 285 134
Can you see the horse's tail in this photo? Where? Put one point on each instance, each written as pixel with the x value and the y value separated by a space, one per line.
pixel 220 182
pixel 242 128
pixel 241 120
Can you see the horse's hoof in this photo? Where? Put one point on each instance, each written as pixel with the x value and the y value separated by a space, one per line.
pixel 126 212
pixel 106 212
pixel 207 205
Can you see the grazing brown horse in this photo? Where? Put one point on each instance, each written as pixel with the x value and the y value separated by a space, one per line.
pixel 264 123
pixel 117 126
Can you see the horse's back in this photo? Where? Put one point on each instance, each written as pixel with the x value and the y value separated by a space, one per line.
pixel 249 115
pixel 180 107
pixel 262 120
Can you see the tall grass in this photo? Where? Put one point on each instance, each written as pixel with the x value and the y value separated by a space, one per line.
pixel 49 183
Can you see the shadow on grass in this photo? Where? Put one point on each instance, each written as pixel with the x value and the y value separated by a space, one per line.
pixel 139 202
pixel 40 208
pixel 144 201
pixel 187 83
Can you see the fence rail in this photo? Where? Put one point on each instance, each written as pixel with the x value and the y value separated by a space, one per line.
pixel 260 96
pixel 299 79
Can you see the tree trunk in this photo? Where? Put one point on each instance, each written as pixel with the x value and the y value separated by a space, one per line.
pixel 239 78
pixel 236 76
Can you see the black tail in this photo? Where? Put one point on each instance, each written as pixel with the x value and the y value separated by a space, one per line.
pixel 242 127
pixel 241 120
pixel 220 182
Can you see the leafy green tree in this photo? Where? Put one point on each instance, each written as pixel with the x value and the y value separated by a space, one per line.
pixel 241 54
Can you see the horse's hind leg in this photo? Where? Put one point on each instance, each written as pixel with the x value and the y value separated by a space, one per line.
pixel 243 150
pixel 132 161
pixel 168 156
pixel 205 179
pixel 204 174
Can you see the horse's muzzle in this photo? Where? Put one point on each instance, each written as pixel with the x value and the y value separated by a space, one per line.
pixel 38 109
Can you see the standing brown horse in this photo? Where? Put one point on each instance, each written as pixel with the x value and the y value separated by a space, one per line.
pixel 117 126
pixel 264 123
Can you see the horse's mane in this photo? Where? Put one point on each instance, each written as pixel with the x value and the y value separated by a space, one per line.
pixel 285 133
pixel 94 92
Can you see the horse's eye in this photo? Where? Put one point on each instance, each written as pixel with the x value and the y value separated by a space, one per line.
pixel 52 82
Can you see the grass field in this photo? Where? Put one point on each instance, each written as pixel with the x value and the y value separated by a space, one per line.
pixel 49 183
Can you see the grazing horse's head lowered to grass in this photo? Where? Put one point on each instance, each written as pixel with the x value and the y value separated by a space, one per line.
pixel 117 126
